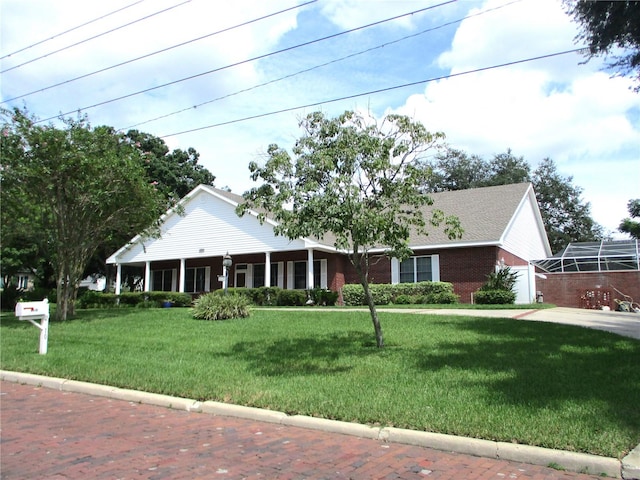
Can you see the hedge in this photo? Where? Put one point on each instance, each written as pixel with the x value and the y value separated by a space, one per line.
pixel 401 293
pixel 93 299
pixel 494 297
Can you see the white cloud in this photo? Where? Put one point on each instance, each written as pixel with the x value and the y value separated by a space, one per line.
pixel 572 113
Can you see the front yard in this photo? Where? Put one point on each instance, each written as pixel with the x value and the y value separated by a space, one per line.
pixel 535 383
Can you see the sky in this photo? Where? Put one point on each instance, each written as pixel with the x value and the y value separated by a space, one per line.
pixel 242 74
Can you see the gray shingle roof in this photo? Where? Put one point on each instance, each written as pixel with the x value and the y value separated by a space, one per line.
pixel 484 213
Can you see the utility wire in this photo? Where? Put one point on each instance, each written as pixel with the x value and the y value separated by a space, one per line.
pixel 372 92
pixel 70 30
pixel 306 70
pixel 158 51
pixel 259 57
pixel 95 36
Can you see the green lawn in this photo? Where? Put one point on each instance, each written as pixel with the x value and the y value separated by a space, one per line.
pixel 535 383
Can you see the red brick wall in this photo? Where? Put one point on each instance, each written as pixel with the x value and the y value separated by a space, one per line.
pixel 466 268
pixel 569 289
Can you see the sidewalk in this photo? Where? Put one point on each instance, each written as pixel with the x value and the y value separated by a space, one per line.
pixel 57 433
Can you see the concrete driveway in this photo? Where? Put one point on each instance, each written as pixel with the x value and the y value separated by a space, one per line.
pixel 621 323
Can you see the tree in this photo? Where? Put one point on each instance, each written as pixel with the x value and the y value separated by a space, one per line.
pixel 455 170
pixel 566 217
pixel 69 190
pixel 176 172
pixel 354 178
pixel 609 25
pixel 628 225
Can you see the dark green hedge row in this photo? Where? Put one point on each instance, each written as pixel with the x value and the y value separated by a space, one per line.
pixel 93 299
pixel 263 296
pixel 275 296
pixel 401 293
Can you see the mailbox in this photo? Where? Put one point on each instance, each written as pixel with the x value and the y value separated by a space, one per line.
pixel 32 311
pixel 26 310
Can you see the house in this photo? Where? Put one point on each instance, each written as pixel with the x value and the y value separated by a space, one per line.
pixel 501 224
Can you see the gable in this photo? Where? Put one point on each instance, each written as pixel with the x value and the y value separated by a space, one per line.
pixel 525 235
pixel 208 227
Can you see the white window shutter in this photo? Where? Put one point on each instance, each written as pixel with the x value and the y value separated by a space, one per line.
pixel 207 279
pixel 290 275
pixel 323 273
pixel 395 271
pixel 435 268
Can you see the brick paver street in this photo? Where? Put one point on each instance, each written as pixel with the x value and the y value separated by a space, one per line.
pixel 49 434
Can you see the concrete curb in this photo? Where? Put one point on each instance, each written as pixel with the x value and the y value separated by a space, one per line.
pixel 627 469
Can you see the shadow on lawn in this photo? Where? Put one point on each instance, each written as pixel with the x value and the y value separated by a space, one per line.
pixel 322 355
pixel 545 364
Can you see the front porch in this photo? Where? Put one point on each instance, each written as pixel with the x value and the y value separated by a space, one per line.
pixel 300 270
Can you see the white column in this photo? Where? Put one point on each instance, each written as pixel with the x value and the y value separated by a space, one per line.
pixel 267 269
pixel 147 277
pixel 118 278
pixel 310 268
pixel 183 273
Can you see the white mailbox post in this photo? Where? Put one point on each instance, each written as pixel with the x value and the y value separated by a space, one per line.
pixel 32 311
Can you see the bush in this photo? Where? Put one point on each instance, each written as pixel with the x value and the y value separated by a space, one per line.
pixel 440 298
pixel 503 279
pixel 384 294
pixel 323 296
pixel 291 298
pixel 404 300
pixel 212 306
pixel 494 297
pixel 93 299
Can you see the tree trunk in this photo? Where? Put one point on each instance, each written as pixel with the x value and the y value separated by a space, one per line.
pixel 374 313
pixel 360 262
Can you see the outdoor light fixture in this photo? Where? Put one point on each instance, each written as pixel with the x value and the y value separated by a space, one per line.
pixel 226 263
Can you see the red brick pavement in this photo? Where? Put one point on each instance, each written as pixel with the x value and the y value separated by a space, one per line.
pixel 48 434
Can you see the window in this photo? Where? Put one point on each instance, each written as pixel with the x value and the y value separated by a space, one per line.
pixel 297 274
pixel 418 269
pixel 23 282
pixel 259 275
pixel 196 280
pixel 300 275
pixel 162 280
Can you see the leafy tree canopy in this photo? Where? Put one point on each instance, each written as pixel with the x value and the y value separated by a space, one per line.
pixel 68 190
pixel 607 26
pixel 353 178
pixel 628 225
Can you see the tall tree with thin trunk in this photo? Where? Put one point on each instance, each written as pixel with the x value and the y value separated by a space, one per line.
pixel 72 188
pixel 356 179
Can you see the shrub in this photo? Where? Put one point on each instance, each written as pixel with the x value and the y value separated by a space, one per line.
pixel 403 300
pixel 93 299
pixel 494 297
pixel 212 306
pixel 383 294
pixel 503 279
pixel 323 296
pixel 291 298
pixel 440 298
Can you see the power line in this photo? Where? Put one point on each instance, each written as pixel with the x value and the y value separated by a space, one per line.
pixel 70 30
pixel 372 92
pixel 95 36
pixel 315 67
pixel 259 57
pixel 158 51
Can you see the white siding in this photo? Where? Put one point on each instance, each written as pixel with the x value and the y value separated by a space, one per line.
pixel 208 227
pixel 524 236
